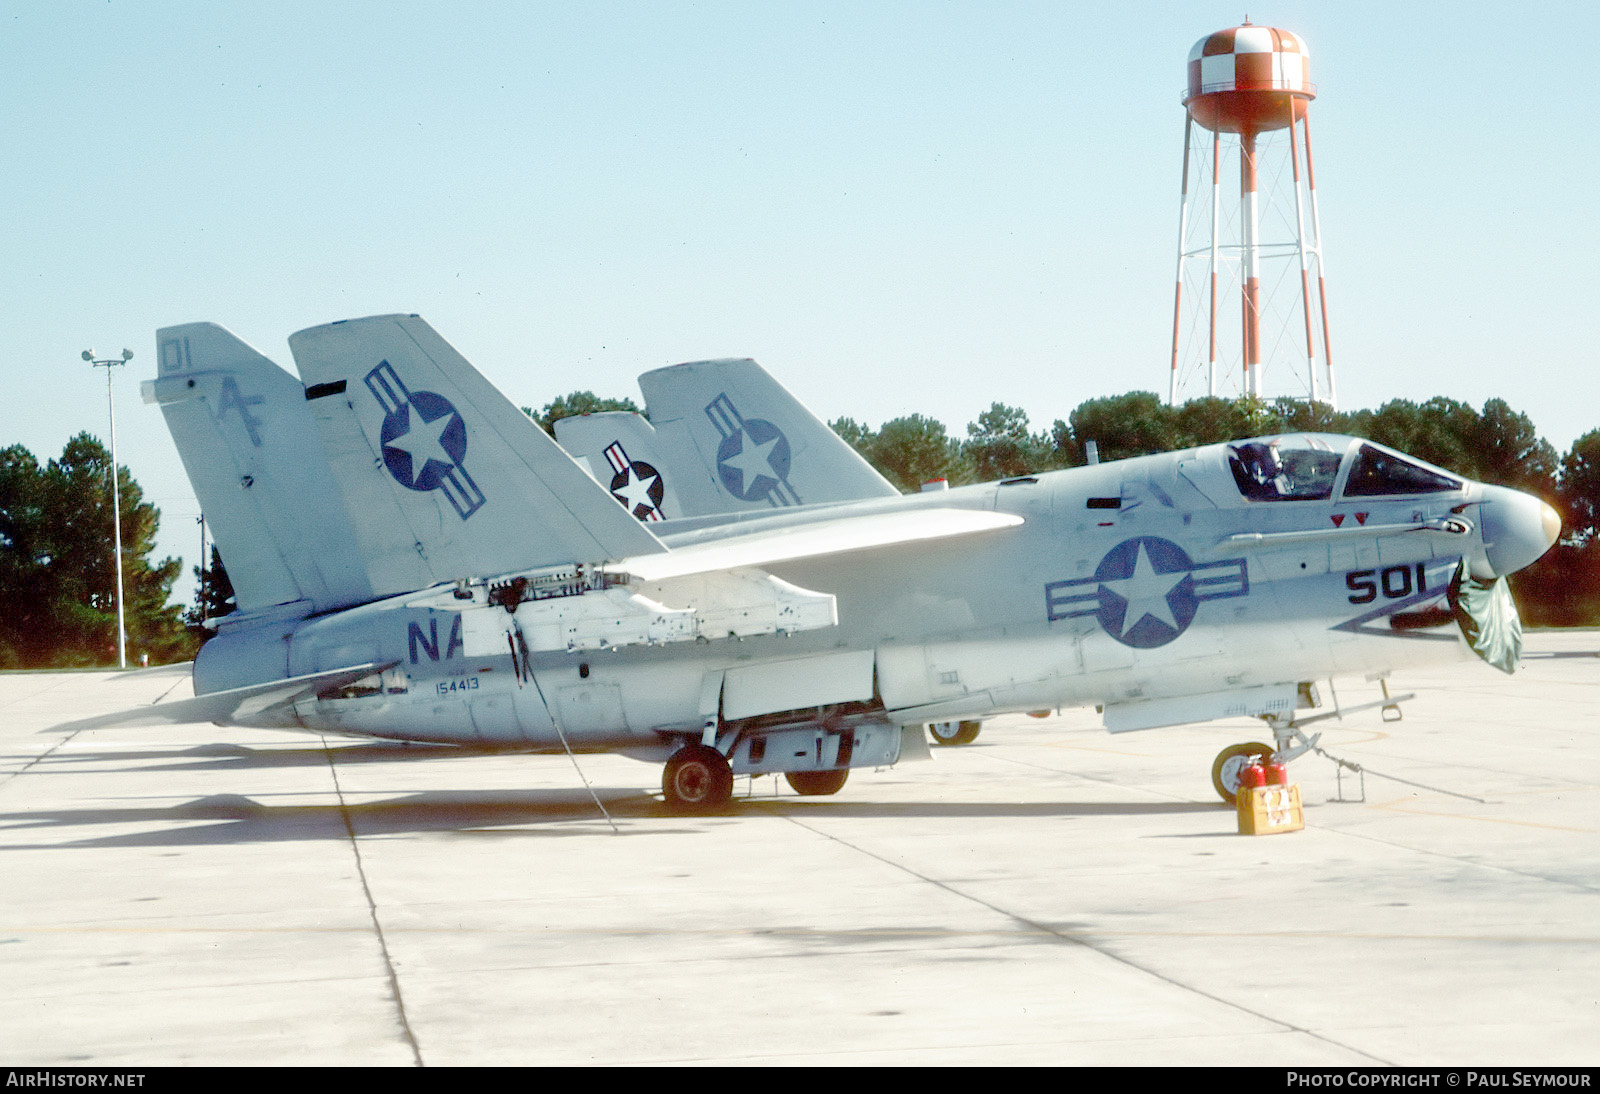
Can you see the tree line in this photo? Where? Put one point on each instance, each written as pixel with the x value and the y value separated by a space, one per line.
pixel 1496 445
pixel 57 599
pixel 58 606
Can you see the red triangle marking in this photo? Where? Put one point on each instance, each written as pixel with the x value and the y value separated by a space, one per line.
pixel 1361 518
pixel 1338 519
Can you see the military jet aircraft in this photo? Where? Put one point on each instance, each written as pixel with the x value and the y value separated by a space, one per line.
pixel 414 559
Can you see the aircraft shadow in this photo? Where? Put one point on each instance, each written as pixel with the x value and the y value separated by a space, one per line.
pixel 240 819
pixel 236 819
pixel 226 757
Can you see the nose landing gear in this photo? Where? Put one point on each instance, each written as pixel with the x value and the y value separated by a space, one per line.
pixel 1290 743
pixel 1229 762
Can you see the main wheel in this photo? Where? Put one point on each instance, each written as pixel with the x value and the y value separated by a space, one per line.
pixel 1230 761
pixel 954 733
pixel 697 778
pixel 816 783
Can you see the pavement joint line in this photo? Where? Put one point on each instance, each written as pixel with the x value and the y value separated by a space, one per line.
pixel 40 758
pixel 1088 943
pixel 814 932
pixel 46 753
pixel 1461 859
pixel 372 910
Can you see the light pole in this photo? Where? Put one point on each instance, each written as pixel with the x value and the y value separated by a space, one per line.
pixel 116 495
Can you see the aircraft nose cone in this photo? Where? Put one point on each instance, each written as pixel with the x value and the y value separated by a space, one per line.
pixel 1552 524
pixel 1517 529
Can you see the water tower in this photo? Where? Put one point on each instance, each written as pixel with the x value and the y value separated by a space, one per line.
pixel 1249 87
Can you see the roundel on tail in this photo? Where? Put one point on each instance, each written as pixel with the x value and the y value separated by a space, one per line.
pixel 753 460
pixel 423 440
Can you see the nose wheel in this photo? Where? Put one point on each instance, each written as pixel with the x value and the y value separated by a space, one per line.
pixel 1230 761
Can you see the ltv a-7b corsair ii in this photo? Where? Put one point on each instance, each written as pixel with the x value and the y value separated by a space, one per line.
pixel 414 559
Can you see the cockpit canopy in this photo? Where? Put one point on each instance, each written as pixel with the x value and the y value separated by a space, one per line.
pixel 1305 467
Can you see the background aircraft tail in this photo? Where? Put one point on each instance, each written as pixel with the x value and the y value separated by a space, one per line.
pixel 252 453
pixel 732 438
pixel 620 450
pixel 443 477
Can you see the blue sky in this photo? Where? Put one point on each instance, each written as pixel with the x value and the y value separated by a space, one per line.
pixel 896 207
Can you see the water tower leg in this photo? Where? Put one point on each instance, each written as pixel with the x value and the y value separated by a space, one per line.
pixel 1177 297
pixel 1305 277
pixel 1216 212
pixel 1322 284
pixel 1252 263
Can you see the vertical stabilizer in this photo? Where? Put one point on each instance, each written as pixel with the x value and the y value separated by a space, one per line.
pixel 443 476
pixel 252 453
pixel 734 439
pixel 620 449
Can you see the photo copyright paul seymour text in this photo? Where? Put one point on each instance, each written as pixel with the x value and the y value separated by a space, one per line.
pixel 1476 1080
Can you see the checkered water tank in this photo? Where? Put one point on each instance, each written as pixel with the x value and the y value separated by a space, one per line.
pixel 1248 78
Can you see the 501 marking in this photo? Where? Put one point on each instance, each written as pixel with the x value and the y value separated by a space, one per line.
pixel 1394 581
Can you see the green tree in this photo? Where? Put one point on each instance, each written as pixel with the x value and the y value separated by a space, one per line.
pixel 854 433
pixel 1509 451
pixel 213 598
pixel 60 570
pixel 1580 489
pixel 1211 420
pixel 999 445
pixel 1135 424
pixel 24 558
pixel 913 450
pixel 571 406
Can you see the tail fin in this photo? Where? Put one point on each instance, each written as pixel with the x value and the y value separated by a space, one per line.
pixel 620 450
pixel 252 453
pixel 734 438
pixel 443 476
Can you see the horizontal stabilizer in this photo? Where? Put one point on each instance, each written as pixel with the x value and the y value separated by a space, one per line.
pixel 232 706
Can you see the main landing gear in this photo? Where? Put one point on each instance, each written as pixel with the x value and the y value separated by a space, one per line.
pixel 954 733
pixel 697 778
pixel 817 783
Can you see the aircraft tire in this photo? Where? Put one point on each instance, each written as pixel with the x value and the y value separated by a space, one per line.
pixel 817 783
pixel 1225 769
pixel 697 779
pixel 954 733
